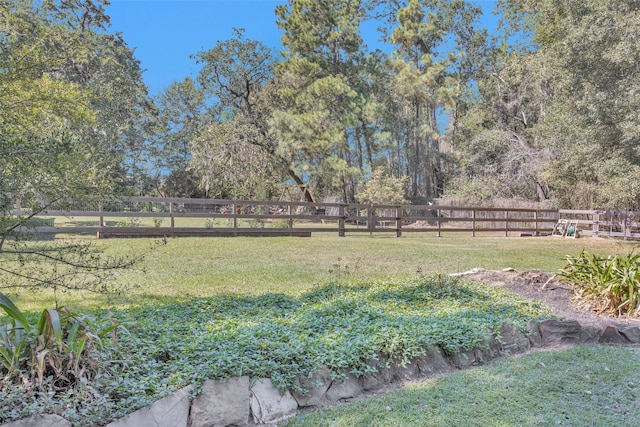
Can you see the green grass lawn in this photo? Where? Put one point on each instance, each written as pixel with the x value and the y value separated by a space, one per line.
pixel 582 386
pixel 195 267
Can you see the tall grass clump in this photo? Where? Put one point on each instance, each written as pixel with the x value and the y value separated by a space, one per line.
pixel 52 362
pixel 607 285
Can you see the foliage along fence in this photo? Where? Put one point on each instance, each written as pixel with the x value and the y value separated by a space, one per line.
pixel 153 216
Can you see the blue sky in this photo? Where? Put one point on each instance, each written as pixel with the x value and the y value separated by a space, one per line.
pixel 165 33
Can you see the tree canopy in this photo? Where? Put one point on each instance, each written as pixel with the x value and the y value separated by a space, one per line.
pixel 546 108
pixel 70 94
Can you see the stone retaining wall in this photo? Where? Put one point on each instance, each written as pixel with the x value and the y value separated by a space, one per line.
pixel 241 401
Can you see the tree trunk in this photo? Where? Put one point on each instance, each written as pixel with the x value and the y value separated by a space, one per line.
pixel 308 197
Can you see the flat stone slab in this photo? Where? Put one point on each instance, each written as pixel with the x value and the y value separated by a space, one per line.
pixel 379 379
pixel 347 388
pixel 410 371
pixel 222 403
pixel 611 335
pixel 489 349
pixel 464 359
pixel 172 411
pixel 47 420
pixel 632 333
pixel 314 388
pixel 534 333
pixel 268 405
pixel 590 335
pixel 512 340
pixel 560 332
pixel 433 362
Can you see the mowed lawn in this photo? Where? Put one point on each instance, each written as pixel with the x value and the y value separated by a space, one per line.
pixel 184 268
pixel 592 386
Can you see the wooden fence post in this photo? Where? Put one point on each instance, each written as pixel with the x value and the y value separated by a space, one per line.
pixel 399 210
pixel 438 218
pixel 595 228
pixel 626 225
pixel 171 218
pixel 341 214
pixel 290 217
pixel 100 222
pixel 101 219
pixel 506 223
pixel 233 212
pixel 473 223
pixel 370 220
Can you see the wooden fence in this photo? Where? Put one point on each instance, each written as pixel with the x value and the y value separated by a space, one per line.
pixel 151 216
pixel 601 223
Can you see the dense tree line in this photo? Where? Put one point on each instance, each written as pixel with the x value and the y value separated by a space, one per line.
pixel 547 108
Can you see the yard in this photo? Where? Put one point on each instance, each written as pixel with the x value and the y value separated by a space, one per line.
pixel 280 307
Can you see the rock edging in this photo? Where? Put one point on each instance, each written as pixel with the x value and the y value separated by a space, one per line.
pixel 241 401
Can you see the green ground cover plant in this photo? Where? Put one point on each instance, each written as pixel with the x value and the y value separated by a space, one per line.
pixel 339 325
pixel 581 386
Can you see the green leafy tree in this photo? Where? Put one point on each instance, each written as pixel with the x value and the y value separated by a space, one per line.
pixel 590 50
pixel 320 98
pixel 107 71
pixel 51 107
pixel 182 112
pixel 504 156
pixel 433 64
pixel 237 77
pixel 220 152
pixel 594 46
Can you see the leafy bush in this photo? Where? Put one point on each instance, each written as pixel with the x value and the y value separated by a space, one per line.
pixel 383 188
pixel 607 285
pixel 56 353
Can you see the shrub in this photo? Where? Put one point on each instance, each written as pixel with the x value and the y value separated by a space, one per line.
pixel 607 285
pixel 383 188
pixel 56 353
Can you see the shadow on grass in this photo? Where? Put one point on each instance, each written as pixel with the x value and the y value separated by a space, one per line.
pixel 337 325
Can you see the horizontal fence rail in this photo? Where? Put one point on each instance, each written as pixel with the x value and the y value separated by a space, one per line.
pixel 153 216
